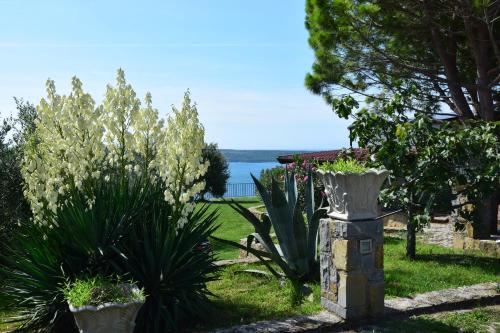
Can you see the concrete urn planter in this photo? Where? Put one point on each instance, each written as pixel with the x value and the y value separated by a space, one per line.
pixel 108 317
pixel 353 196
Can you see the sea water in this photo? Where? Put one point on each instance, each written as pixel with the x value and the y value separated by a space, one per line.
pixel 240 171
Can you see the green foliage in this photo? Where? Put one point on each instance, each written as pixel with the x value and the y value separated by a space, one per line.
pixel 129 232
pixel 297 254
pixel 165 262
pixel 301 170
pixel 267 175
pixel 429 159
pixel 99 290
pixel 14 132
pixel 217 173
pixel 344 165
pixel 377 49
pixel 406 60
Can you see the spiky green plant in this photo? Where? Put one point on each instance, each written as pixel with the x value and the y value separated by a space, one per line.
pixel 297 253
pixel 128 231
pixel 75 241
pixel 167 263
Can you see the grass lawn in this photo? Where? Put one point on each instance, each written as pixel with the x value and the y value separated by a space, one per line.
pixel 482 320
pixel 242 298
pixel 232 226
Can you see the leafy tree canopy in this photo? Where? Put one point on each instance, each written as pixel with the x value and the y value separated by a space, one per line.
pixel 447 49
pixel 410 62
pixel 217 173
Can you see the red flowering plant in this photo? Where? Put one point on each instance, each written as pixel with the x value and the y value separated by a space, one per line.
pixel 301 169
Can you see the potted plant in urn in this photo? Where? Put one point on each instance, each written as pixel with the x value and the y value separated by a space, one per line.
pixel 102 305
pixel 351 189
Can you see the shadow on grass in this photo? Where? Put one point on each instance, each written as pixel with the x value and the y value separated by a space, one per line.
pixel 388 240
pixel 403 324
pixel 489 265
pixel 219 247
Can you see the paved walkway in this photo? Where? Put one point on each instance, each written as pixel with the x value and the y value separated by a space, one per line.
pixel 438 234
pixel 431 302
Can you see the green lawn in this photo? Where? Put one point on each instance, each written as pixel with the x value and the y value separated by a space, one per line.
pixel 232 226
pixel 482 320
pixel 241 297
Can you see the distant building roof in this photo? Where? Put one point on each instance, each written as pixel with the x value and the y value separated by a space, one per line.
pixel 322 156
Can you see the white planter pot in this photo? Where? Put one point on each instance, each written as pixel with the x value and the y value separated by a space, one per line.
pixel 353 196
pixel 105 318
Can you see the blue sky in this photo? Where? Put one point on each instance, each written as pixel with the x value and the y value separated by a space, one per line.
pixel 244 62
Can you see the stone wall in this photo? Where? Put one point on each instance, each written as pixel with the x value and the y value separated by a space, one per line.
pixel 489 247
pixel 352 267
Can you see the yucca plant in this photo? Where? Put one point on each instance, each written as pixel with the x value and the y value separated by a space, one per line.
pixel 128 231
pixel 297 253
pixel 166 262
pixel 75 241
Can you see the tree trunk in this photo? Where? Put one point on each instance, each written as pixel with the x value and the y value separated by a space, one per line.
pixel 449 61
pixel 410 237
pixel 477 35
pixel 488 218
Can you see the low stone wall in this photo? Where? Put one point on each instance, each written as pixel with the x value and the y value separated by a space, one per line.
pixel 489 247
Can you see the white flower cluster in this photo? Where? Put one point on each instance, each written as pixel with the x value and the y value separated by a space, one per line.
pixel 180 157
pixel 67 147
pixel 75 141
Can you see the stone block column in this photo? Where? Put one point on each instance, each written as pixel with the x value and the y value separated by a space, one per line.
pixel 352 267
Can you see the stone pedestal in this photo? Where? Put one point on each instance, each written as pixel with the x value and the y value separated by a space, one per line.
pixel 352 267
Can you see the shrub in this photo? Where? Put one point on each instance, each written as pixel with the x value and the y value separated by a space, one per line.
pixel 165 262
pixel 14 208
pixel 267 175
pixel 129 232
pixel 99 290
pixel 217 172
pixel 116 197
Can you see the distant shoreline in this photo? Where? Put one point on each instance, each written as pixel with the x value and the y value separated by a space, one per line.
pixel 256 156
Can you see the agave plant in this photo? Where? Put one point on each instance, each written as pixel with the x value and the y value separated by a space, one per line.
pixel 296 253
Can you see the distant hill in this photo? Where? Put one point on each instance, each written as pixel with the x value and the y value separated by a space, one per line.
pixel 234 155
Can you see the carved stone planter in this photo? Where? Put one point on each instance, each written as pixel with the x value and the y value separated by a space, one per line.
pixel 108 317
pixel 353 196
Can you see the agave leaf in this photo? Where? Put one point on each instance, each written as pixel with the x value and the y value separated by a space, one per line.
pixel 247 214
pixel 250 239
pixel 283 224
pixel 266 224
pixel 312 234
pixel 264 194
pixel 261 255
pixel 309 195
pixel 262 229
pixel 267 243
pixel 291 190
pixel 300 235
pixel 277 209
